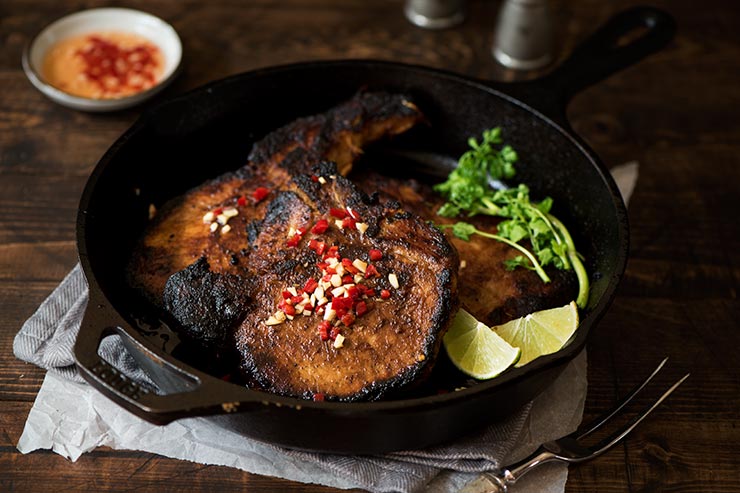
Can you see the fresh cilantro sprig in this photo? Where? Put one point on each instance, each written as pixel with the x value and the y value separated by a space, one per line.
pixel 468 190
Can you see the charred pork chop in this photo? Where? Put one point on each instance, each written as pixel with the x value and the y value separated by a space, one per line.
pixel 320 289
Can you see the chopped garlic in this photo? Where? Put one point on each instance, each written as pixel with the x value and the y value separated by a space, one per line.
pixel 276 319
pixel 330 314
pixel 209 217
pixel 322 180
pixel 230 212
pixel 225 229
pixel 361 227
pixel 292 291
pixel 393 280
pixel 339 341
pixel 360 265
pixel 318 292
pixel 214 227
pixel 339 223
pixel 222 219
pixel 463 264
pixel 336 280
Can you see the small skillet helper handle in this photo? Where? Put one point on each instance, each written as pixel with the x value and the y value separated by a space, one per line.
pixel 608 50
pixel 187 393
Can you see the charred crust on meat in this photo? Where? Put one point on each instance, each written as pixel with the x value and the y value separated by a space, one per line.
pixel 253 231
pixel 281 207
pixel 325 169
pixel 311 188
pixel 208 305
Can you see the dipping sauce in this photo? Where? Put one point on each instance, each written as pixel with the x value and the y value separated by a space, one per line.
pixel 103 65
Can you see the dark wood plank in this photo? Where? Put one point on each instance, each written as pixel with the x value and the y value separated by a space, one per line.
pixel 676 113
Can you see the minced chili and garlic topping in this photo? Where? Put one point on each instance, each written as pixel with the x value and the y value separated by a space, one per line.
pixel 340 294
pixel 103 65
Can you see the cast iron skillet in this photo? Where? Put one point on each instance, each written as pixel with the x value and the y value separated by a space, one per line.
pixel 201 134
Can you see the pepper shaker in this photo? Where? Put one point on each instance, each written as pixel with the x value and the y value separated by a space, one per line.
pixel 523 36
pixel 435 14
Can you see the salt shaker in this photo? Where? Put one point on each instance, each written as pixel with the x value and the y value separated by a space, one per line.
pixel 435 14
pixel 523 37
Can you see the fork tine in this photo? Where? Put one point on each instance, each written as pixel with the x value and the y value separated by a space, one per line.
pixel 607 443
pixel 599 422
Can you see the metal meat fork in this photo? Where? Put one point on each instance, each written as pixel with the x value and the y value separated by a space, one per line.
pixel 570 448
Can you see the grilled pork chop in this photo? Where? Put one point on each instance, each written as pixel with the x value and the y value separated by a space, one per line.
pixel 321 289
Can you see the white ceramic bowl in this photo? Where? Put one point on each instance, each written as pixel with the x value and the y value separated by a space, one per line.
pixel 106 19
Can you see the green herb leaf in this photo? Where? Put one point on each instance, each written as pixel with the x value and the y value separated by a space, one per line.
pixel 468 189
pixel 463 230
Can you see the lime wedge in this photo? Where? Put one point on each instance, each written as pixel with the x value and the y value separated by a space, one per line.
pixel 540 333
pixel 477 350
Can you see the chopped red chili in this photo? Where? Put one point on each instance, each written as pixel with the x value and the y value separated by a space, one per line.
pixel 311 285
pixel 348 222
pixel 371 271
pixel 338 213
pixel 318 397
pixel 314 178
pixel 348 319
pixel 385 294
pixel 242 201
pixel 332 252
pixel 361 308
pixel 335 331
pixel 320 227
pixel 260 193
pixel 294 240
pixel 324 327
pixel 353 292
pixel 289 310
pixel 375 254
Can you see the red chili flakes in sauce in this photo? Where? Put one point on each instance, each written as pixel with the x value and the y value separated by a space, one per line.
pixel 118 70
pixel 104 65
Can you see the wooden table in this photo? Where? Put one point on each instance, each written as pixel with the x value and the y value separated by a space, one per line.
pixel 676 113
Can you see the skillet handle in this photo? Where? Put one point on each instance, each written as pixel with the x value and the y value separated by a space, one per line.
pixel 625 39
pixel 188 393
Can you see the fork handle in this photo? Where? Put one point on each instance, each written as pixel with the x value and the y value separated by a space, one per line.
pixel 499 482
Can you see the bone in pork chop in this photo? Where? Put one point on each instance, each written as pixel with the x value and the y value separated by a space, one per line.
pixel 319 288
